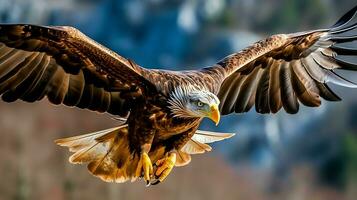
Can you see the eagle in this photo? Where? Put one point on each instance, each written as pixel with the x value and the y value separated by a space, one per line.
pixel 159 111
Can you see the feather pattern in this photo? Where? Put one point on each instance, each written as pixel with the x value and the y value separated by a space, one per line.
pixel 107 153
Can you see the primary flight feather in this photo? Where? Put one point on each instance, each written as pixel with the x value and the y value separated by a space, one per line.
pixel 161 109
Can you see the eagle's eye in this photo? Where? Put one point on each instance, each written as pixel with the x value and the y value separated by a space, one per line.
pixel 200 104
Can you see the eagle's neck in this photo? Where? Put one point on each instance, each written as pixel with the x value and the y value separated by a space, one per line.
pixel 178 100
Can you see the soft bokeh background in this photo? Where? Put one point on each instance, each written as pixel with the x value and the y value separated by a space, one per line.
pixel 311 155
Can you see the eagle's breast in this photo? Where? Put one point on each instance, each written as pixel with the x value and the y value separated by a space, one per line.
pixel 166 125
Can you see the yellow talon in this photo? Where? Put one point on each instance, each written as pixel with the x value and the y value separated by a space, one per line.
pixel 164 166
pixel 145 166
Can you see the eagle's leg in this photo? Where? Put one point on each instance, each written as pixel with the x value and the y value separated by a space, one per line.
pixel 141 139
pixel 144 167
pixel 164 166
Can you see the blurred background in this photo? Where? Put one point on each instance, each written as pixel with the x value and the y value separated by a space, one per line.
pixel 311 155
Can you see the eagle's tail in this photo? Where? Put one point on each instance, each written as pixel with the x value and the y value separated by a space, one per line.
pixel 109 157
pixel 107 153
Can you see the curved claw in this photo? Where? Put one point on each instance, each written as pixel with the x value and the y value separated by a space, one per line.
pixel 164 167
pixel 155 182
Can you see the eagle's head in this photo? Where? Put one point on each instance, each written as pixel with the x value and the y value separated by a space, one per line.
pixel 192 102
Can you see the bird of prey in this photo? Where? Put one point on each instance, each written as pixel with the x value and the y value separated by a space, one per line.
pixel 160 110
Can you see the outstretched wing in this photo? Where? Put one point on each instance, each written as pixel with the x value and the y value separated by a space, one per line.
pixel 284 70
pixel 66 66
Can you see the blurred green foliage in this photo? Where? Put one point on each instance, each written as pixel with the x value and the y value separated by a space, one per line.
pixel 350 158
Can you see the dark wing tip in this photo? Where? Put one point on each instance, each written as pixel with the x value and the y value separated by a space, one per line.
pixel 345 18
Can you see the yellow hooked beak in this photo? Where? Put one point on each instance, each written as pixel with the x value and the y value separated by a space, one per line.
pixel 215 116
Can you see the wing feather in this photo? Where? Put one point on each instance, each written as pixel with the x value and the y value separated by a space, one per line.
pixel 246 91
pixel 75 89
pixel 15 93
pixel 326 93
pixel 262 96
pixel 287 93
pixel 16 76
pixel 33 93
pixel 234 88
pixel 274 87
pixel 304 86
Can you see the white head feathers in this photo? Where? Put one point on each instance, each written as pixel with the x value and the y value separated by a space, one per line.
pixel 181 97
